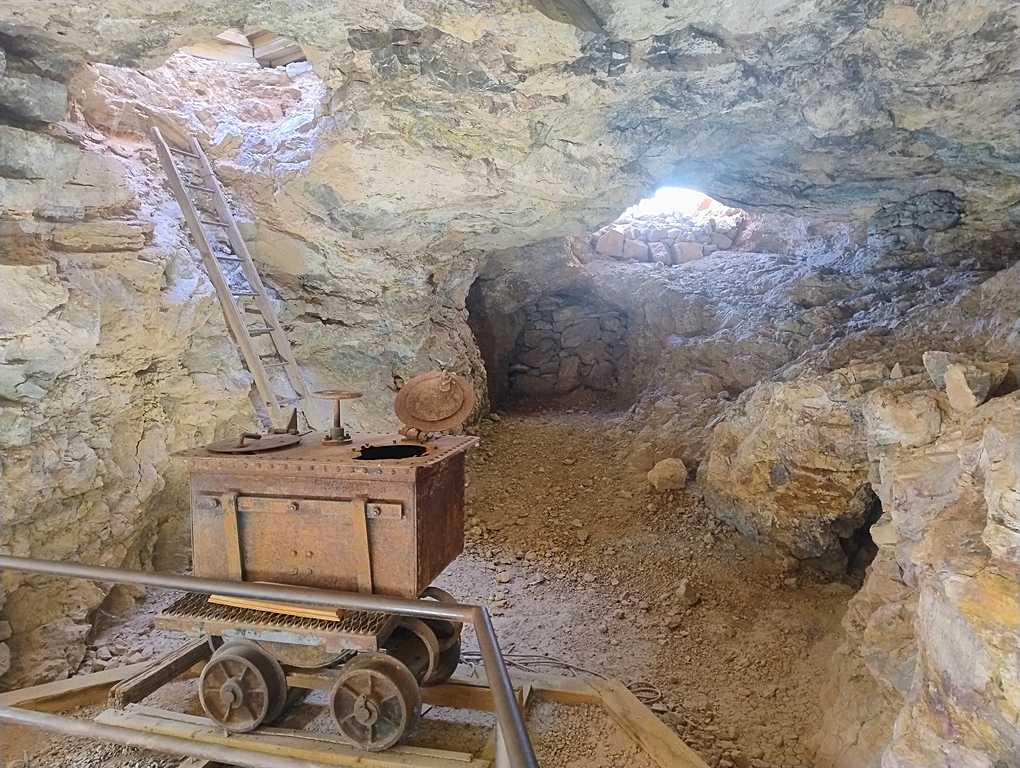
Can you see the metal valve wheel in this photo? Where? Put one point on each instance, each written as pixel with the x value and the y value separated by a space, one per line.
pixel 242 687
pixel 375 701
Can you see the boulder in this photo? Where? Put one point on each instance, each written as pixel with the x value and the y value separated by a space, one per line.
pixel 668 475
pixel 684 252
pixel 635 250
pixel 789 466
pixel 971 382
pixel 610 243
pixel 32 98
pixel 911 418
pixel 968 386
pixel 659 251
pixel 568 374
pixel 936 362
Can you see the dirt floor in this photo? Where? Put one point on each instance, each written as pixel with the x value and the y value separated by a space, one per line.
pixel 584 566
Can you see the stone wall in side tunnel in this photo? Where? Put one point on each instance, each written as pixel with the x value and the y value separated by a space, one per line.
pixel 568 344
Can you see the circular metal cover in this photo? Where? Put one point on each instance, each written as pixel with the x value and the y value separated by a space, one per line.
pixel 435 401
pixel 253 445
pixel 336 394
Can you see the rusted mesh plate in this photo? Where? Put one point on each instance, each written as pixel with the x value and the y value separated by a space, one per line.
pixel 360 626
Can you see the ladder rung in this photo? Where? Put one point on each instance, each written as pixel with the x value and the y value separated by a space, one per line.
pixel 243 293
pixel 213 223
pixel 274 365
pixel 227 258
pixel 182 152
pixel 189 185
pixel 289 400
pixel 260 331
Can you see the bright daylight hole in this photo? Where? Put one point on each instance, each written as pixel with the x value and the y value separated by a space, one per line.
pixel 670 200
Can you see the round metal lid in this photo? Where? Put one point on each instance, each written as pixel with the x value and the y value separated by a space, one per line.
pixel 435 401
pixel 248 443
pixel 336 394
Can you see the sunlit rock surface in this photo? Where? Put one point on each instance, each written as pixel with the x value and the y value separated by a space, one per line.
pixel 939 631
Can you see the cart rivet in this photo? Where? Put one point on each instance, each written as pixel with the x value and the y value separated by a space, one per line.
pixel 293 506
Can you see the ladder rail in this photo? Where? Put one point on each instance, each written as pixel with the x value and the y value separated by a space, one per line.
pixel 231 314
pixel 226 216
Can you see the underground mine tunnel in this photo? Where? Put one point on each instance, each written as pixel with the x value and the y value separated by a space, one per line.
pixel 611 383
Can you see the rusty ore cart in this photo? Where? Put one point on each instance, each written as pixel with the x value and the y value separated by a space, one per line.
pixel 380 514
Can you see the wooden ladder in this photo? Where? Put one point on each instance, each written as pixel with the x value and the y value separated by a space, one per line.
pixel 220 243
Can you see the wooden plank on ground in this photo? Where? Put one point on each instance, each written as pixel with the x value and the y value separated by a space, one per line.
pixel 71 693
pixel 301 745
pixel 160 672
pixel 657 739
pixel 572 691
pixel 272 606
pixel 459 694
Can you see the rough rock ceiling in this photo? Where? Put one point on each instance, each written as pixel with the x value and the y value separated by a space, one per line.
pixel 476 125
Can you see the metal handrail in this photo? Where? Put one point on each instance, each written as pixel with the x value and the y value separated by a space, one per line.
pixel 508 712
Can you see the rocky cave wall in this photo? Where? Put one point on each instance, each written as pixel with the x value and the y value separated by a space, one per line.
pixel 112 358
pixel 892 125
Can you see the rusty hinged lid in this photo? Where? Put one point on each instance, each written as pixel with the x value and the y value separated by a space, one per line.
pixel 311 457
pixel 436 401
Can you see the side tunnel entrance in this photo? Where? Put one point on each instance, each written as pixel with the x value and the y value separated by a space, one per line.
pixel 568 344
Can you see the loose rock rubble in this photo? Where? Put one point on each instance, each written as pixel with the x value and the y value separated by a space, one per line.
pixel 581 560
pixel 668 475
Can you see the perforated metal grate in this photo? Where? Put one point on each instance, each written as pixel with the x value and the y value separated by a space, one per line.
pixel 197 608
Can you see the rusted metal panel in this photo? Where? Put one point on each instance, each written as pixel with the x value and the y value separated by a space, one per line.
pixel 439 537
pixel 302 512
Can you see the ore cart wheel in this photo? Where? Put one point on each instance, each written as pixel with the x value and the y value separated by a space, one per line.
pixel 426 657
pixel 242 687
pixel 375 701
pixel 448 635
pixel 448 661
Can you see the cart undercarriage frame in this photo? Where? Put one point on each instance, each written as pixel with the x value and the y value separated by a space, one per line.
pixel 131 723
